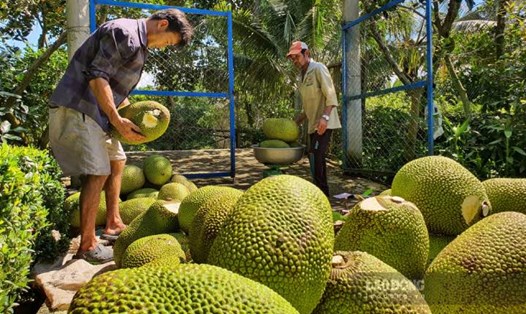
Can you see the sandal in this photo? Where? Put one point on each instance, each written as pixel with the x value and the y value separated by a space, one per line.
pixel 110 237
pixel 99 255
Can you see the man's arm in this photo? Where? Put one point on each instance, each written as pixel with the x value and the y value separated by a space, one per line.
pixel 102 91
pixel 327 88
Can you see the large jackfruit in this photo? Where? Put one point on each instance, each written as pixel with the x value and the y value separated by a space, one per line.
pixel 449 196
pixel 361 283
pixel 483 270
pixel 281 129
pixel 194 200
pixel 130 209
pixel 280 233
pixel 437 243
pixel 208 220
pixel 149 248
pixel 506 194
pixel 173 191
pixel 132 179
pixel 157 169
pixel 160 217
pixel 273 144
pixel 389 228
pixel 187 288
pixel 150 116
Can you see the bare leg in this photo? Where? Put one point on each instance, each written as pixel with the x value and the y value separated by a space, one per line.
pixel 114 224
pixel 89 205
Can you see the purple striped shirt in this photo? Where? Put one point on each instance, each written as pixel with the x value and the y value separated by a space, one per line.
pixel 116 52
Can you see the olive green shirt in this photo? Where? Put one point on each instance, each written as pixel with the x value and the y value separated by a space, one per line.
pixel 316 92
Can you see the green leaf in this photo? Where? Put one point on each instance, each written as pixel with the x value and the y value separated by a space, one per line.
pixel 519 150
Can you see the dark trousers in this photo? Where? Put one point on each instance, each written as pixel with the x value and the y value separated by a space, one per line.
pixel 319 144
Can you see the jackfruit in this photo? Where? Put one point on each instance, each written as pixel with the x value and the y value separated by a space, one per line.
pixel 157 169
pixel 191 203
pixel 483 270
pixel 187 288
pixel 280 233
pixel 173 192
pixel 437 243
pixel 208 220
pixel 144 192
pixel 273 144
pixel 160 217
pixel 506 194
pixel 147 249
pixel 179 178
pixel 132 208
pixel 150 116
pixel 449 196
pixel 281 129
pixel 389 228
pixel 72 206
pixel 185 244
pixel 132 179
pixel 386 192
pixel 361 283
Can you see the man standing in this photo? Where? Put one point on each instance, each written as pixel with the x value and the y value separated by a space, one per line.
pixel 318 99
pixel 99 78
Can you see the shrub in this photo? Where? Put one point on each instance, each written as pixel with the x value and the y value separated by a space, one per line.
pixel 31 198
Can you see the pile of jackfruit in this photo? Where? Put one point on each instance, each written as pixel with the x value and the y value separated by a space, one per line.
pixel 439 241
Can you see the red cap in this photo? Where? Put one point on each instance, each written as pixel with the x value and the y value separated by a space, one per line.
pixel 296 48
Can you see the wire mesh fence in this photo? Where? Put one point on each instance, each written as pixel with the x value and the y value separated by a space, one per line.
pixel 387 102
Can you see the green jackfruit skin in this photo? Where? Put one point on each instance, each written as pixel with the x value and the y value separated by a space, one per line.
pixel 506 194
pixel 483 270
pixel 207 222
pixel 72 206
pixel 273 144
pixel 132 179
pixel 136 112
pixel 364 284
pixel 184 241
pixel 157 169
pixel 280 233
pixel 173 191
pixel 437 243
pixel 281 129
pixel 130 209
pixel 156 219
pixel 187 288
pixel 397 235
pixel 386 192
pixel 191 203
pixel 144 192
pixel 150 248
pixel 182 179
pixel 439 186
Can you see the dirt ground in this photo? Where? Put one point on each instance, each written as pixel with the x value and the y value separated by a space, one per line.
pixel 248 171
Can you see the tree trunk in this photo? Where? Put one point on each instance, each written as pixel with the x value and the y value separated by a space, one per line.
pixel 501 26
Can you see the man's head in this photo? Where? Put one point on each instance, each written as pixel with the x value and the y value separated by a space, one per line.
pixel 299 54
pixel 168 28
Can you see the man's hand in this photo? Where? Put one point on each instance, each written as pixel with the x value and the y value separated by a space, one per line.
pixel 128 130
pixel 321 126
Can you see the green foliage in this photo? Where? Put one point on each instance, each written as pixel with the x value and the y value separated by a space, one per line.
pixel 30 207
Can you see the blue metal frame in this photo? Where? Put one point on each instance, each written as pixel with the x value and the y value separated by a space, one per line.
pixel 229 94
pixel 428 83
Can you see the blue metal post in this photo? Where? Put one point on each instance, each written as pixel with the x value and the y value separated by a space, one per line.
pixel 430 109
pixel 231 97
pixel 92 15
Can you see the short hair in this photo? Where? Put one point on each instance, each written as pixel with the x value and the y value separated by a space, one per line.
pixel 177 22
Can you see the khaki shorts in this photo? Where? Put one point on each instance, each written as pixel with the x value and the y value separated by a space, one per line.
pixel 80 145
